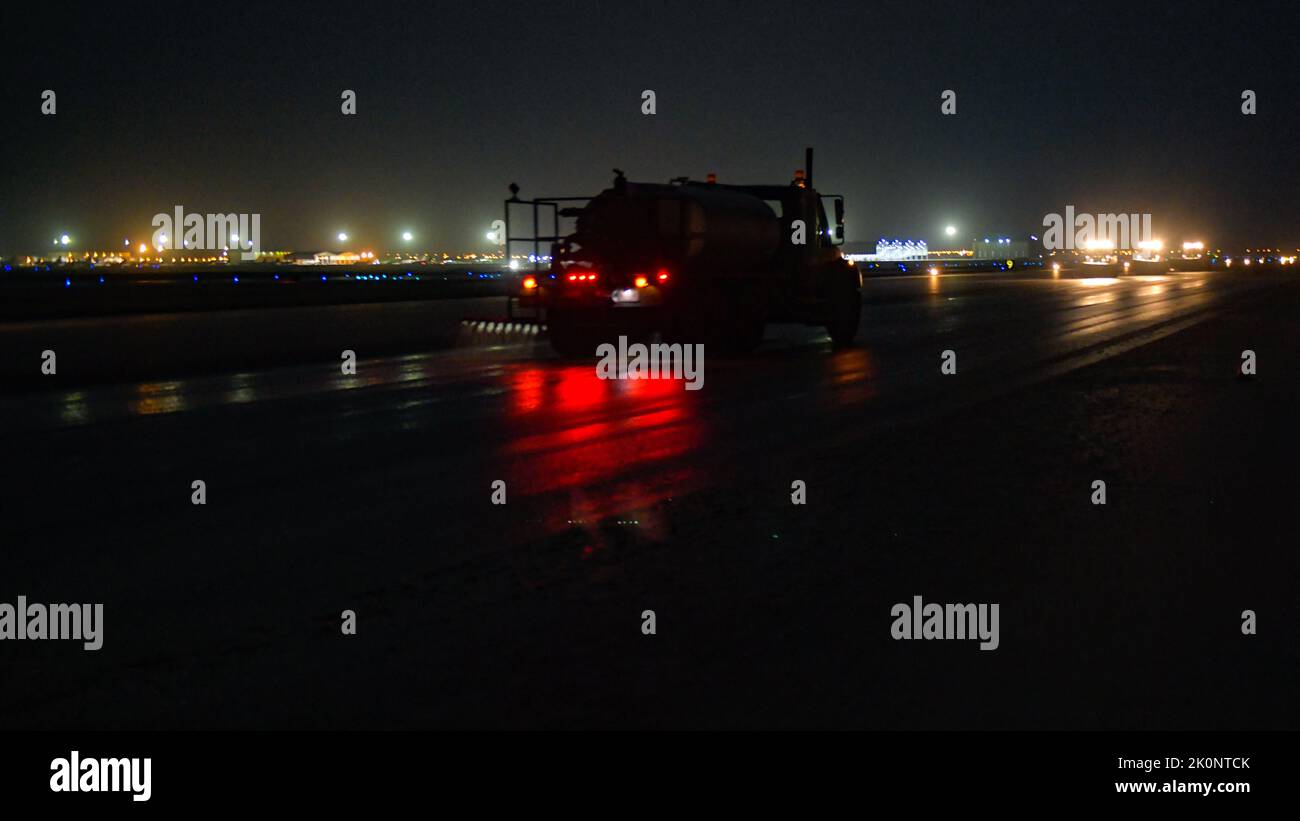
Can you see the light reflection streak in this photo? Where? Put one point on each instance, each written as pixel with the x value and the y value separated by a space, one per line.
pixel 572 431
pixel 159 397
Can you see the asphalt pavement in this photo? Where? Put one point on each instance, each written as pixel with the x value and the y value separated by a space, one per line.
pixel 373 493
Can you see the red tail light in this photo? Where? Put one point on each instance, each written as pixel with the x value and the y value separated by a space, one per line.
pixel 662 276
pixel 591 277
pixel 529 283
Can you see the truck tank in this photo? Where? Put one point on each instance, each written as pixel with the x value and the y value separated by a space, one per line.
pixel 697 225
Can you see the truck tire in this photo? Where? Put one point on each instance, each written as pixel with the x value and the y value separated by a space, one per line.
pixel 744 331
pixel 845 313
pixel 571 337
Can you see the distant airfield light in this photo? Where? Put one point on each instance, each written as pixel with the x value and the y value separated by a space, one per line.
pixel 514 265
pixel 234 237
pixel 934 272
pixel 143 248
pixel 1056 267
pixel 951 230
pixel 64 240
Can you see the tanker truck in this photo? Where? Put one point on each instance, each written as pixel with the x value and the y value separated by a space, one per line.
pixel 691 261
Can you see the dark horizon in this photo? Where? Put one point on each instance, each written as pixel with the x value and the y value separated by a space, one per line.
pixel 1112 110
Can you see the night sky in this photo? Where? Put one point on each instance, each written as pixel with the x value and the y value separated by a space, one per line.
pixel 235 108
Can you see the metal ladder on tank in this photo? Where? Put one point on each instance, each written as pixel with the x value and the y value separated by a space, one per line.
pixel 542 208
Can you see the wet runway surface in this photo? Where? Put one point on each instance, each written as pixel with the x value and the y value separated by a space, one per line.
pixel 373 492
pixel 1001 325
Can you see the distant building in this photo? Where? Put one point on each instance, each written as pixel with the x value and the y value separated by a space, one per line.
pixel 887 250
pixel 323 258
pixel 995 247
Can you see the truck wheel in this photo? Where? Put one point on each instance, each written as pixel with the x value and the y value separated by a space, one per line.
pixel 845 314
pixel 744 334
pixel 570 337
